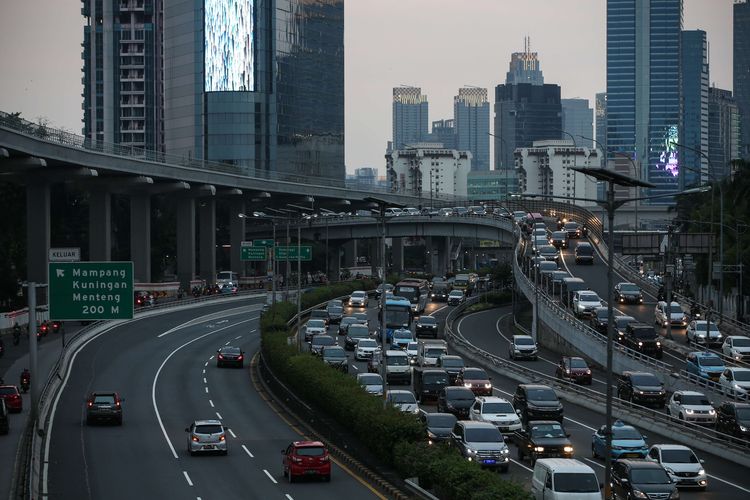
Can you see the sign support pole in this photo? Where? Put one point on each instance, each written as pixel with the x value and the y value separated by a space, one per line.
pixel 33 358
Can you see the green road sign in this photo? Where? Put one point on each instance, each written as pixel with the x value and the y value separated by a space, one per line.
pixel 253 253
pixel 262 243
pixel 86 291
pixel 290 253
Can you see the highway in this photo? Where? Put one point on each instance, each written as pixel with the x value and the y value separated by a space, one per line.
pixel 165 370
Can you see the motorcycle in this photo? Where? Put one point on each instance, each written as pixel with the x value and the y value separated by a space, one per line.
pixel 25 383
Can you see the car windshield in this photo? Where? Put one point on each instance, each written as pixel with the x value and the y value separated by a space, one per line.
pixel 577 363
pixel 571 226
pixel 316 323
pixel 675 309
pixel 397 360
pixel 208 429
pixel 434 352
pixel 402 397
pixel 644 333
pixel 622 321
pixel 497 407
pixel 456 294
pixel 483 435
pixel 7 391
pixel 230 350
pixel 742 375
pixel 323 340
pixel 694 399
pixel 547 431
pixel 428 320
pixel 358 295
pixel 548 249
pixel 701 327
pixel 624 432
pixel 452 362
pixel 649 476
pixel 106 399
pixel 334 353
pixel 559 235
pixel 412 346
pixel 310 451
pixel 741 342
pixel 711 361
pixel 460 394
pixel 360 317
pixel 475 374
pixel 541 395
pixel 576 482
pixel 335 310
pixel 401 334
pixel 435 378
pixel 629 287
pixel 588 297
pixel 743 413
pixel 397 317
pixel 367 343
pixel 349 320
pixel 645 379
pixel 359 331
pixel 585 249
pixel 681 456
pixel 370 379
pixel 443 420
pixel 524 341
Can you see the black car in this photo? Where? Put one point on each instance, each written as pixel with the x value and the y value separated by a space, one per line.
pixel 4 421
pixel 345 322
pixel 230 356
pixel 104 406
pixel 379 289
pixel 335 357
pixel 537 402
pixel 335 313
pixel 440 292
pixel 641 388
pixel 573 229
pixel 429 382
pixel 319 314
pixel 628 293
pixel 600 320
pixel 426 326
pixel 734 418
pixel 456 401
pixel 354 333
pixel 621 323
pixel 643 338
pixel 439 425
pixel 543 439
pixel 644 476
pixel 559 239
pixel 451 364
pixel 584 253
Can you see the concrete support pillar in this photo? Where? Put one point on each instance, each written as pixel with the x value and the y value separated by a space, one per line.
pixel 100 226
pixel 350 253
pixel 207 234
pixel 444 245
pixel 375 258
pixel 397 249
pixel 334 261
pixel 140 236
pixel 185 240
pixel 236 235
pixel 37 231
pixel 429 255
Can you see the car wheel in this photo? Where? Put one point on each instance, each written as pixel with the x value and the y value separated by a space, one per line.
pixel 89 421
pixel 327 478
pixel 681 417
pixel 520 453
pixel 119 421
pixel 225 452
pixel 290 477
pixel 283 472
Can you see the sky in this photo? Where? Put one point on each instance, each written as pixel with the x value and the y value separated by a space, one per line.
pixel 439 45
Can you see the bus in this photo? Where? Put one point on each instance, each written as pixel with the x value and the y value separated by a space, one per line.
pixel 417 291
pixel 397 314
pixel 466 282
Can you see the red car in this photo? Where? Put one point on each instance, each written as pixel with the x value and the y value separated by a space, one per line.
pixel 574 369
pixel 12 398
pixel 475 379
pixel 306 459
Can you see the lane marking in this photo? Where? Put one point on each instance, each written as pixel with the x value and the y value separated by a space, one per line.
pixel 355 367
pixel 438 310
pixel 247 451
pixel 289 497
pixel 204 380
pixel 206 388
pixel 211 403
pixel 228 342
pixel 270 477
pixel 729 483
pixel 187 478
pixel 215 332
pixel 206 363
pixel 232 433
pixel 208 317
pixel 219 415
pixel 521 465
pixel 204 371
pixel 238 337
pixel 161 367
pixel 593 462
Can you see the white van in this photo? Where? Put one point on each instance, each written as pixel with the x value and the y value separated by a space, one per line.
pixel 397 367
pixel 564 478
pixel 430 350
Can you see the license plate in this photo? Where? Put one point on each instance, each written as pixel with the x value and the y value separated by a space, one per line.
pixel 630 455
pixel 208 447
pixel 488 461
pixel 311 472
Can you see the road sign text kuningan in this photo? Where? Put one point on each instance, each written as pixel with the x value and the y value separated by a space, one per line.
pixel 290 252
pixel 90 290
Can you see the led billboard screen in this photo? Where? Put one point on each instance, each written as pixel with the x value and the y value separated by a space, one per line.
pixel 668 158
pixel 229 44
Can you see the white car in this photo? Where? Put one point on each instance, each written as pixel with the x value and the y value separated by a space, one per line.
pixel 411 211
pixel 365 349
pixel 522 346
pixel 735 381
pixel 315 327
pixel 393 212
pixel 674 313
pixel 371 382
pixel 704 333
pixel 497 411
pixel 737 347
pixel 691 406
pixel 585 302
pixel 358 299
pixel 403 400
pixel 411 350
pixel 683 467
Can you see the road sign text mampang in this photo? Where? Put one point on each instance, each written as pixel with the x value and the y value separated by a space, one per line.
pixel 91 290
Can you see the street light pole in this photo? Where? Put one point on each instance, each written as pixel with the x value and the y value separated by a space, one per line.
pixel 299 281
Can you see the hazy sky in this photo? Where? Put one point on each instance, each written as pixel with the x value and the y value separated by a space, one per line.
pixel 439 45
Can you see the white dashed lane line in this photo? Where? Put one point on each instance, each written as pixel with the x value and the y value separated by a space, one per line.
pixel 232 433
pixel 247 451
pixel 219 415
pixel 204 370
pixel 187 478
pixel 228 342
pixel 206 364
pixel 210 358
pixel 289 497
pixel 270 477
pixel 238 337
pixel 211 403
pixel 204 380
pixel 206 389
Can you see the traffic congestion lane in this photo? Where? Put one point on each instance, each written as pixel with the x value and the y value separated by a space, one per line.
pixel 83 464
pixel 727 479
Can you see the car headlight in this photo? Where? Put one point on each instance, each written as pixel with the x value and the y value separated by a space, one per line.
pixel 640 392
pixel 689 411
pixel 658 344
pixel 539 449
pixel 639 494
pixel 712 412
pixel 505 451
pixel 743 428
pixel 470 451
pixel 669 470
pixel 701 472
pixel 467 384
pixel 568 449
pixel 640 344
pixel 488 386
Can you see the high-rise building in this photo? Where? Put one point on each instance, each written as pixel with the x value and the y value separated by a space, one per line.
pixel 428 170
pixel 723 131
pixel 366 176
pixel 471 114
pixel 578 120
pixel 524 66
pixel 444 132
pixel 643 88
pixel 601 120
pixel 694 67
pixel 122 72
pixel 741 54
pixel 410 116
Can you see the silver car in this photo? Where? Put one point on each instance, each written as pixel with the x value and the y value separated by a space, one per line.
pixel 206 436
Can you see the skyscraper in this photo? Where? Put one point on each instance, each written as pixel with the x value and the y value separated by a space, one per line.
pixel 471 112
pixel 723 131
pixel 578 120
pixel 643 88
pixel 444 132
pixel 601 120
pixel 410 116
pixel 526 109
pixel 122 72
pixel 742 71
pixel 694 67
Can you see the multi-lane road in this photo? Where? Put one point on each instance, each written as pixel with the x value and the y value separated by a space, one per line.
pixel 164 368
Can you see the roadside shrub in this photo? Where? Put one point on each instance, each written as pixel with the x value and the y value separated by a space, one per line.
pixel 498 298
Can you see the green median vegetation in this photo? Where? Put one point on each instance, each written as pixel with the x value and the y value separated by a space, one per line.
pixel 395 438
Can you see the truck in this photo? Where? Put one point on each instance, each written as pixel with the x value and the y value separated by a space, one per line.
pixel 428 382
pixel 466 282
pixel 428 351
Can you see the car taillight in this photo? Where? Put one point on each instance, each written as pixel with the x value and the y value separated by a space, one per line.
pixel 221 356
pixel 195 439
pixel 296 460
pixel 240 357
pixel 117 403
pixel 325 459
pixel 91 403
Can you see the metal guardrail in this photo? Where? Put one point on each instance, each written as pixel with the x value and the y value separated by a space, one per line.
pixel 689 433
